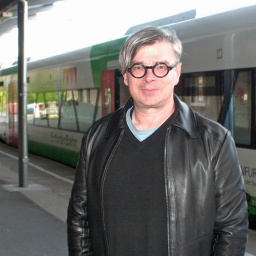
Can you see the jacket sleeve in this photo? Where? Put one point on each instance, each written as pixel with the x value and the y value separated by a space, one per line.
pixel 231 225
pixel 79 242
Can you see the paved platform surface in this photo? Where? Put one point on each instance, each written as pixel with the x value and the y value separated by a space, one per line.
pixel 26 229
pixel 33 219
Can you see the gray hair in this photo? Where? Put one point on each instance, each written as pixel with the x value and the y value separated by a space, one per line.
pixel 147 36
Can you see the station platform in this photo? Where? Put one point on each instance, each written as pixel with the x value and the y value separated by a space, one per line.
pixel 33 218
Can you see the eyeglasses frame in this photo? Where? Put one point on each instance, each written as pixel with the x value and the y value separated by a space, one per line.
pixel 152 67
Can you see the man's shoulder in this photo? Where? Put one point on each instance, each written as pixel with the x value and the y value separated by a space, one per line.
pixel 195 123
pixel 210 126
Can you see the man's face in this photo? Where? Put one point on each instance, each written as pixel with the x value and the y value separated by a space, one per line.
pixel 151 91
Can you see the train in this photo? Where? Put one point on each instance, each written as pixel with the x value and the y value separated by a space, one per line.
pixel 70 91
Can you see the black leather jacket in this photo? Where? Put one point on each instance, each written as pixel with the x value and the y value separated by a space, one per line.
pixel 207 209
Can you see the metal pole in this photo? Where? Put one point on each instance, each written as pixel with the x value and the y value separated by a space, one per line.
pixel 22 94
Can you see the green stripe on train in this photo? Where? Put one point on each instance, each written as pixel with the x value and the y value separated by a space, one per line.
pixel 252 205
pixel 61 155
pixel 101 54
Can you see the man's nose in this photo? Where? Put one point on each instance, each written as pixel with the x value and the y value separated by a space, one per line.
pixel 149 74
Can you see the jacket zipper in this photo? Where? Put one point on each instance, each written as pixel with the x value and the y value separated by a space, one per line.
pixel 101 192
pixel 167 181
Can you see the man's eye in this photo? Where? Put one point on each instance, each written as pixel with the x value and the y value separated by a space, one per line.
pixel 161 67
pixel 137 67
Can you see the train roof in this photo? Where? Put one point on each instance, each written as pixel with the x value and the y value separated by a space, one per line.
pixel 164 21
pixel 187 30
pixel 219 23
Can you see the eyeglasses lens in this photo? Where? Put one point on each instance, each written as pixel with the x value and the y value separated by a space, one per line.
pixel 138 70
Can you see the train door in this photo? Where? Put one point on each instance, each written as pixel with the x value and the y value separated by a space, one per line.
pixel 244 123
pixel 12 138
pixel 3 112
pixel 114 92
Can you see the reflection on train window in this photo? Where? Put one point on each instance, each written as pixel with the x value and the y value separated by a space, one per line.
pixel 203 92
pixel 79 109
pixel 108 100
pixel 242 108
pixel 74 110
pixel 45 108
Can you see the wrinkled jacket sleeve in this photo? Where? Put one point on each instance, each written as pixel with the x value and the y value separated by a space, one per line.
pixel 231 225
pixel 79 242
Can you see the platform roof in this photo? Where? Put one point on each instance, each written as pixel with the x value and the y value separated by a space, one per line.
pixel 9 12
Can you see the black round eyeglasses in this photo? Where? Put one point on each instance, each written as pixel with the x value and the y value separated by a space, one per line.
pixel 160 69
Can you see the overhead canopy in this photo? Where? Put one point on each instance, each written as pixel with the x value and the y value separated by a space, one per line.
pixel 9 12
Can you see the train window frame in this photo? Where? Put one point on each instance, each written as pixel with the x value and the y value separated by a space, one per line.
pixel 199 96
pixel 252 144
pixel 225 82
pixel 210 89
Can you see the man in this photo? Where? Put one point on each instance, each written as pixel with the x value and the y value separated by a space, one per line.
pixel 154 177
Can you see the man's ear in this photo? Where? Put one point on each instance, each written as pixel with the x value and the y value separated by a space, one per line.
pixel 125 76
pixel 177 71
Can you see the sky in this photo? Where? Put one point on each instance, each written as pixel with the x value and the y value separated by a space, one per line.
pixel 68 27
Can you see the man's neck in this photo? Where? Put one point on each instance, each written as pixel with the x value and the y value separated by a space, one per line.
pixel 148 118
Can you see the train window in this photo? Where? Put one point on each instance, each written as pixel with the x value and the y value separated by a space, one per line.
pixel 79 109
pixel 45 108
pixel 203 92
pixel 73 110
pixel 3 101
pixel 223 96
pixel 242 102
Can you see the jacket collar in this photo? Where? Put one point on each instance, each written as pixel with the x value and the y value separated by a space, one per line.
pixel 183 118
